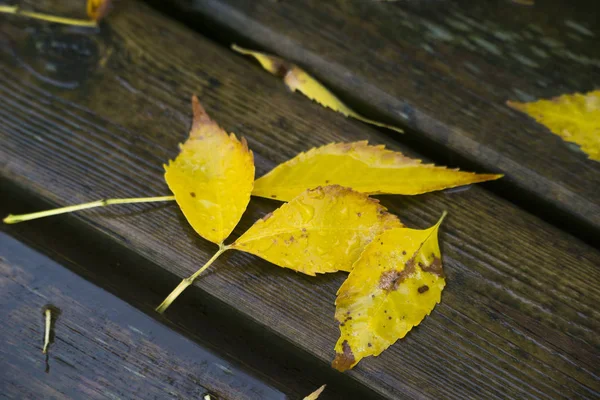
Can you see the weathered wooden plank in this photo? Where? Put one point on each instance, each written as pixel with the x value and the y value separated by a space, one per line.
pixel 201 318
pixel 518 318
pixel 446 69
pixel 102 346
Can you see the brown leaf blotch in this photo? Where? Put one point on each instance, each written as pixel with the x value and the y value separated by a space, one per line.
pixel 281 67
pixel 390 280
pixel 344 361
pixel 435 267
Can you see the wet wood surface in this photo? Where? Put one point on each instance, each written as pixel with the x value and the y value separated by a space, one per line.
pixel 89 115
pixel 444 70
pixel 101 347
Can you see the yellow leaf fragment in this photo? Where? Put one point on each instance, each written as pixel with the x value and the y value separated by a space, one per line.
pixel 315 395
pixel 573 117
pixel 211 178
pixel 297 79
pixel 322 230
pixel 394 284
pixel 364 168
pixel 97 9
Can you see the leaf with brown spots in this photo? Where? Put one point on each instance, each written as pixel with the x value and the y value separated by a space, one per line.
pixel 211 178
pixel 296 78
pixel 364 168
pixel 395 283
pixel 573 117
pixel 321 230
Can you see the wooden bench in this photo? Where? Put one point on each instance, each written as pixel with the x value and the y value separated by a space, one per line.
pixel 90 115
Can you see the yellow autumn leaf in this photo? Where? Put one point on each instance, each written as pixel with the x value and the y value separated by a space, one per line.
pixel 211 178
pixel 322 230
pixel 395 283
pixel 315 395
pixel 364 168
pixel 297 79
pixel 573 117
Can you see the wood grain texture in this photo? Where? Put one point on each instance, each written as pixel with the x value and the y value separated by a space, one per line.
pixel 102 347
pixel 518 318
pixel 446 69
pixel 205 320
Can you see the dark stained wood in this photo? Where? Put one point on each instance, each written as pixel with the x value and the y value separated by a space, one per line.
pixel 446 69
pixel 102 347
pixel 518 318
pixel 214 326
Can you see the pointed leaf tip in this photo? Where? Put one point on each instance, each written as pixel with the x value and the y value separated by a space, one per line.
pixel 315 395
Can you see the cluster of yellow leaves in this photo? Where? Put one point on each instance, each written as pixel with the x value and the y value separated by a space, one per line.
pixel 328 224
pixel 574 117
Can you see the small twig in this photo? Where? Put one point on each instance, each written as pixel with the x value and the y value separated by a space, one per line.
pixel 188 281
pixel 48 314
pixel 15 10
pixel 15 219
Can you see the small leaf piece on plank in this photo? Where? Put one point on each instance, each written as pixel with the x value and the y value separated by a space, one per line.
pixel 395 283
pixel 297 79
pixel 322 230
pixel 573 117
pixel 364 168
pixel 98 9
pixel 211 178
pixel 315 395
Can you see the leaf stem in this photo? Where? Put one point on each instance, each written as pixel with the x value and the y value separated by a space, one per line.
pixel 15 219
pixel 47 332
pixel 189 280
pixel 15 10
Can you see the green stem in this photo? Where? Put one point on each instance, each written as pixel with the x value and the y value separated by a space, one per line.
pixel 188 281
pixel 47 17
pixel 15 219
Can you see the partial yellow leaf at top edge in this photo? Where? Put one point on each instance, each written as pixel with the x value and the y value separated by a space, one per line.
pixel 321 230
pixel 211 178
pixel 364 168
pixel 297 79
pixel 573 117
pixel 395 283
pixel 98 9
pixel 315 395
